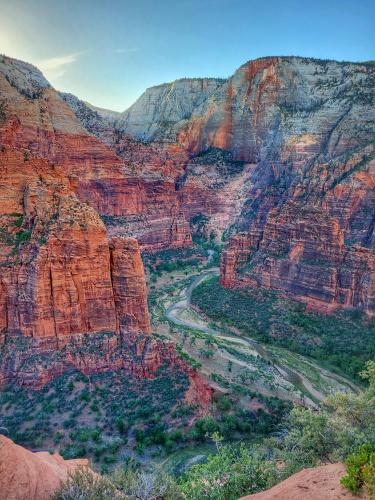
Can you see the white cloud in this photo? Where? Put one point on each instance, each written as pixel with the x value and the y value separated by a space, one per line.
pixel 57 66
pixel 126 51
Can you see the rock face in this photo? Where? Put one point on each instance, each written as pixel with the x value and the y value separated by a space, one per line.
pixel 72 295
pixel 31 476
pixel 61 275
pixel 310 484
pixel 304 131
pixel 58 278
pixel 269 109
pixel 129 286
pixel 69 134
pixel 280 155
pixel 317 246
pixel 154 115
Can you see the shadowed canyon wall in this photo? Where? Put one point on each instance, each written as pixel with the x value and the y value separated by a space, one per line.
pixel 303 201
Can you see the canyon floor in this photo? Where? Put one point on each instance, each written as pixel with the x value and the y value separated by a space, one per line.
pixel 228 357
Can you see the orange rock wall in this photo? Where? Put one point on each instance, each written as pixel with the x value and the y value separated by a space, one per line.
pixel 59 282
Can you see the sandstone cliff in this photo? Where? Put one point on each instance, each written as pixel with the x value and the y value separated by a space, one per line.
pixel 32 476
pixel 305 129
pixel 271 108
pixel 318 245
pixel 65 131
pixel 58 277
pixel 154 115
pixel 73 295
pixel 285 143
pixel 61 276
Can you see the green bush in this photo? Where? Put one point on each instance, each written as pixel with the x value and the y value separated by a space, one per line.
pixel 229 474
pixel 361 470
pixel 84 485
pixel 345 423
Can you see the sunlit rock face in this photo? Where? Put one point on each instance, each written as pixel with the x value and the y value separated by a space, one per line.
pixel 72 295
pixel 156 113
pixel 270 108
pixel 58 266
pixel 57 270
pixel 35 476
pixel 65 131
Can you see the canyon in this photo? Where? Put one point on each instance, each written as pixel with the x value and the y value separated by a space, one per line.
pixel 277 162
pixel 281 157
pixel 272 169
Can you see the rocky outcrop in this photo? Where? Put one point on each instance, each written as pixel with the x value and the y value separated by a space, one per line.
pixel 271 108
pixel 36 119
pixel 155 114
pixel 310 484
pixel 32 476
pixel 58 278
pixel 129 286
pixel 317 247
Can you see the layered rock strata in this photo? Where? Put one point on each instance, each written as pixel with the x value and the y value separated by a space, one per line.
pixel 221 157
pixel 36 119
pixel 319 249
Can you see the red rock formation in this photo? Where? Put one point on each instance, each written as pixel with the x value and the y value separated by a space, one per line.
pixel 58 279
pixel 306 125
pixel 319 251
pixel 36 119
pixel 232 257
pixel 32 476
pixel 252 90
pixel 310 484
pixel 129 286
pixel 69 296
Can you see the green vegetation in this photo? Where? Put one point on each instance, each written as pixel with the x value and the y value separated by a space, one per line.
pixel 111 415
pixel 344 341
pixel 184 355
pixel 173 259
pixel 97 416
pixel 230 473
pixel 128 482
pixel 361 470
pixel 345 422
pixel 344 429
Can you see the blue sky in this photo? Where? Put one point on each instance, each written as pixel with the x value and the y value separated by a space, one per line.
pixel 108 52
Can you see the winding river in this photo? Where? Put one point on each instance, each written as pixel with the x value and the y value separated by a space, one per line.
pixel 290 374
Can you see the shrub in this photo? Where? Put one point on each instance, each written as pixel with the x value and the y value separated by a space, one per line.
pixel 361 470
pixel 345 423
pixel 84 485
pixel 229 474
pixel 154 484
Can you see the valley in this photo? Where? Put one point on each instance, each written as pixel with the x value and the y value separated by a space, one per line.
pixel 187 288
pixel 228 357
